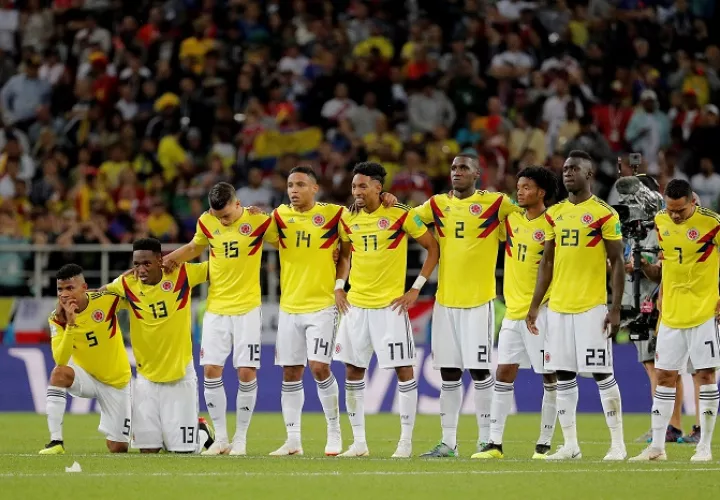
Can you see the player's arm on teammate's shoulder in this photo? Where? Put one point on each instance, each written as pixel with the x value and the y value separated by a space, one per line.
pixel 612 238
pixel 507 206
pixel 189 251
pixel 272 235
pixel 545 274
pixel 197 273
pixel 388 199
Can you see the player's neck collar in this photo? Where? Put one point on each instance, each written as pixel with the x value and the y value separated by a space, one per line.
pixel 303 211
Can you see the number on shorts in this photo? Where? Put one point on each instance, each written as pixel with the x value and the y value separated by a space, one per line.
pixel 482 354
pixel 126 427
pixel 254 352
pixel 459 229
pixel 595 357
pixel 188 434
pixel 321 344
pixel 542 356
pixel 231 249
pixel 159 310
pixel 569 237
pixel 401 350
pixel 92 339
pixel 302 237
pixel 712 348
pixel 679 249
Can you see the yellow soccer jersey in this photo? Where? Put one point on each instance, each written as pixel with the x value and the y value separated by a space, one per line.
pixel 580 272
pixel 690 267
pixel 95 343
pixel 161 320
pixel 524 245
pixel 306 243
pixel 379 253
pixel 235 253
pixel 468 234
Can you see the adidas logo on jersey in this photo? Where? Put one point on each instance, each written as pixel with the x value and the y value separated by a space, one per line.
pixel 217 232
pixel 355 227
pixel 559 217
pixel 666 233
pixel 291 220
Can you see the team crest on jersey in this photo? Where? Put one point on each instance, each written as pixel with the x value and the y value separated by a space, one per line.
pixel 383 223
pixel 587 218
pixel 318 220
pixel 475 209
pixel 547 357
pixel 539 236
pixel 338 348
pixel 98 316
pixel 245 229
pixel 166 286
pixel 693 234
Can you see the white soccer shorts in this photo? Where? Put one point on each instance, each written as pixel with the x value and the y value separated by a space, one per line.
pixel 383 331
pixel 115 404
pixel 241 334
pixel 166 414
pixel 517 346
pixel 463 338
pixel 306 336
pixel 577 342
pixel 700 344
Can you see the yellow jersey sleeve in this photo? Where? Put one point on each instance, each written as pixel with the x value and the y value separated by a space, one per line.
pixel 507 207
pixel 61 341
pixel 425 212
pixel 202 233
pixel 272 235
pixel 549 225
pixel 344 228
pixel 197 273
pixel 611 229
pixel 413 225
pixel 115 287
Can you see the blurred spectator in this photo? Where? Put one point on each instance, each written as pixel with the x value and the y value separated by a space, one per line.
pixel 706 184
pixel 255 193
pixel 648 130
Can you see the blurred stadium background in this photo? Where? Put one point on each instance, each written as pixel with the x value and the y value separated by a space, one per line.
pixel 118 116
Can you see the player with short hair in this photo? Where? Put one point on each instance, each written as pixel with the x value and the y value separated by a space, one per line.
pixel 581 234
pixel 689 237
pixel 233 320
pixel 467 227
pixel 90 359
pixel 375 314
pixel 165 399
pixel 525 238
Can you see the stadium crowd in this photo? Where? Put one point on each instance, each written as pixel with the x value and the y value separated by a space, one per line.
pixel 118 116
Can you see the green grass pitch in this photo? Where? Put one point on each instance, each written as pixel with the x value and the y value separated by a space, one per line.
pixel 24 474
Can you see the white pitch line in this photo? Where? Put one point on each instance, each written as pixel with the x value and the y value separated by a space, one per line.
pixel 337 474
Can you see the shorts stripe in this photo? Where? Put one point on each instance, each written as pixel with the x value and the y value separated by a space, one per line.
pixel 408 337
pixel 490 330
pixel 717 338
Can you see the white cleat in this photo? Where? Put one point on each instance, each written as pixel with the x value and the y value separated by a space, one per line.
pixel 356 450
pixel 404 449
pixel 702 454
pixel 650 454
pixel 217 448
pixel 334 443
pixel 287 449
pixel 238 449
pixel 616 454
pixel 566 453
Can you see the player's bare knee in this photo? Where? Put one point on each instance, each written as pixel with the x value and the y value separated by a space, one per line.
pixel 450 374
pixel 293 373
pixel 506 373
pixel 564 376
pixel 116 447
pixel 212 371
pixel 549 378
pixel 479 375
pixel 246 374
pixel 705 376
pixel 62 376
pixel 404 373
pixel 320 371
pixel 354 373
pixel 666 378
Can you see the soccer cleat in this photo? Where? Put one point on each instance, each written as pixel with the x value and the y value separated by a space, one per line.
pixel 702 454
pixel 217 448
pixel 404 449
pixel 650 454
pixel 334 443
pixel 356 450
pixel 490 451
pixel 645 438
pixel 53 448
pixel 239 449
pixel 693 437
pixel 566 453
pixel 287 449
pixel 480 446
pixel 441 450
pixel 541 451
pixel 616 454
pixel 672 434
pixel 203 425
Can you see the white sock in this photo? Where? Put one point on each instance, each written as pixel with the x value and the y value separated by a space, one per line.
pixel 548 414
pixel 662 410
pixel 483 403
pixel 216 402
pixel 329 395
pixel 567 399
pixel 451 395
pixel 245 405
pixel 292 401
pixel 407 403
pixel 55 407
pixel 355 406
pixel 708 408
pixel 612 407
pixel 502 399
